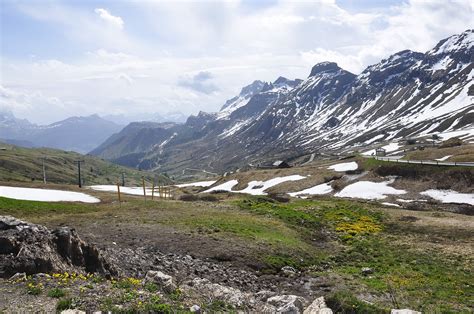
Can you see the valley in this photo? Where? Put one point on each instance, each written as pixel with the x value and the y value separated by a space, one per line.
pixel 242 241
pixel 407 95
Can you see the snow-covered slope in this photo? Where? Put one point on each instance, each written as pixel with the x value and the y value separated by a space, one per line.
pixel 408 94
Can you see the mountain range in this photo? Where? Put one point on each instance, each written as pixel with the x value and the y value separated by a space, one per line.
pixel 79 134
pixel 407 94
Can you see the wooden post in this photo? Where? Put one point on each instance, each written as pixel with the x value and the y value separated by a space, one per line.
pixel 118 192
pixel 144 189
pixel 153 190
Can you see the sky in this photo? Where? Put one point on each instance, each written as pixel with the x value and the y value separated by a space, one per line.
pixel 141 58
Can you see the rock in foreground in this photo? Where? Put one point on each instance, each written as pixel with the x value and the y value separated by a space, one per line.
pixel 29 248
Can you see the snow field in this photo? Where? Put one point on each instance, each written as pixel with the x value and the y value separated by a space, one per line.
pixel 226 186
pixel 254 187
pixel 199 184
pixel 369 190
pixel 347 166
pixel 319 189
pixel 45 195
pixel 123 189
pixel 449 196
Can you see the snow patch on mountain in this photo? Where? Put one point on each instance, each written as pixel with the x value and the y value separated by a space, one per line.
pixel 369 190
pixel 259 187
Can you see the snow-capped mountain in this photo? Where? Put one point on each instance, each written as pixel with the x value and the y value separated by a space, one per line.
pixel 80 134
pixel 407 94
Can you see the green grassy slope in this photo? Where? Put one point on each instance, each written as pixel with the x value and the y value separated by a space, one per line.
pixel 26 165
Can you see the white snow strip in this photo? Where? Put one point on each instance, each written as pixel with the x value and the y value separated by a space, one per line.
pixel 344 166
pixel 320 189
pixel 258 187
pixel 375 138
pixel 369 190
pixel 200 184
pixel 123 189
pixel 449 196
pixel 409 201
pixel 226 186
pixel 444 158
pixel 45 195
pixel 390 204
pixel 463 133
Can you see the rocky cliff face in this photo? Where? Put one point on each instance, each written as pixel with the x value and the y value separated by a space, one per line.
pixel 407 94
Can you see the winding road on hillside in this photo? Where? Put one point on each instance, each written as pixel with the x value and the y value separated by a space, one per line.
pixel 423 162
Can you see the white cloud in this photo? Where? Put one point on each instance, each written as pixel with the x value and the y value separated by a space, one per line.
pixel 109 18
pixel 200 82
pixel 155 68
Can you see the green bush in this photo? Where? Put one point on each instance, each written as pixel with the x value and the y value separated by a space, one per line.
pixel 452 142
pixel 189 198
pixel 56 293
pixel 209 198
pixel 64 304
pixel 345 302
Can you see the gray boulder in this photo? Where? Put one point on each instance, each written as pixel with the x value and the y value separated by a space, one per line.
pixel 288 304
pixel 161 279
pixel 318 307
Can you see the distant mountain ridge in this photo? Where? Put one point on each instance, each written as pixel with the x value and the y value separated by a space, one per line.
pixel 80 134
pixel 406 94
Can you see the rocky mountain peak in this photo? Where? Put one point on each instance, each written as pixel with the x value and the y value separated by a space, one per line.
pixel 252 89
pixel 455 43
pixel 324 67
pixel 200 119
pixel 283 81
pixel 246 92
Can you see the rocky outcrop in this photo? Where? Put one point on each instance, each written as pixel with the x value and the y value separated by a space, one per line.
pixel 29 248
pixel 162 280
pixel 205 288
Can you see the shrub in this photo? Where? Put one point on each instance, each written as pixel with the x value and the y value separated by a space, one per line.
pixel 338 185
pixel 64 304
pixel 219 191
pixel 189 198
pixel 218 306
pixel 209 198
pixel 332 178
pixel 452 142
pixel 282 198
pixel 345 302
pixel 417 206
pixel 56 293
pixel 151 287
